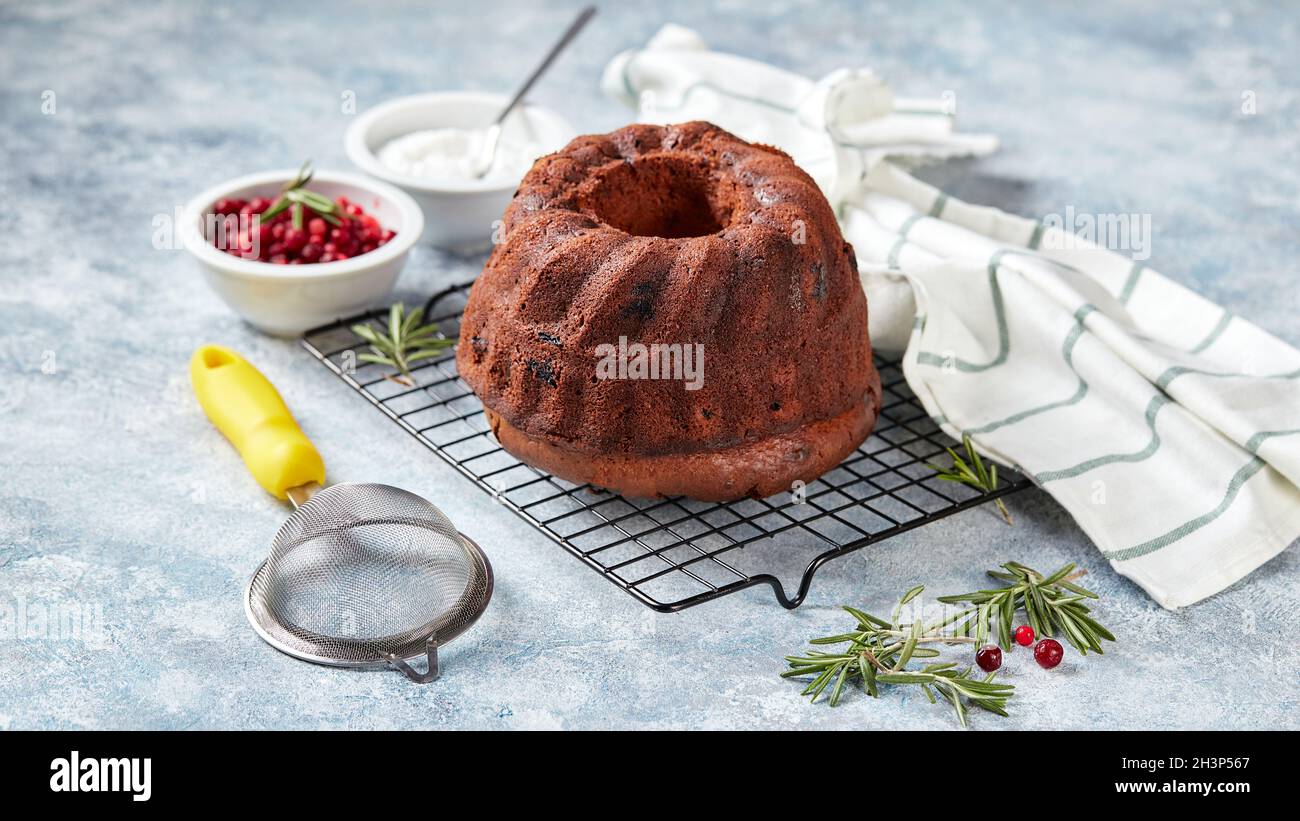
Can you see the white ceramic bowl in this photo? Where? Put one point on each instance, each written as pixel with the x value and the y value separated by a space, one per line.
pixel 286 300
pixel 458 214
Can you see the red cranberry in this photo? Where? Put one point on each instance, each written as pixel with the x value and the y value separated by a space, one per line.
pixel 1048 653
pixel 316 227
pixel 327 257
pixel 989 657
pixel 228 206
pixel 1024 635
pixel 310 252
pixel 294 239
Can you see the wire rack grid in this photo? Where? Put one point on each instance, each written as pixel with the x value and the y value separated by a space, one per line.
pixel 672 554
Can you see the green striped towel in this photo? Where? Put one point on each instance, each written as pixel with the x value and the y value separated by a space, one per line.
pixel 1169 428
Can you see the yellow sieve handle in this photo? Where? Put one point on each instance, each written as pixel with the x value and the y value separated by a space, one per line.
pixel 249 411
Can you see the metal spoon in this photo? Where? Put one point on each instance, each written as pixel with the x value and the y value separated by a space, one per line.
pixel 487 156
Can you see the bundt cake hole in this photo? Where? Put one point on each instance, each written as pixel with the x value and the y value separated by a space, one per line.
pixel 660 196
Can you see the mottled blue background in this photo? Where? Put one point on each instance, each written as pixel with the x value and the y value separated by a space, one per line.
pixel 116 492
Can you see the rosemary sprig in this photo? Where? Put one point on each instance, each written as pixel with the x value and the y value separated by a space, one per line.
pixel 879 651
pixel 407 342
pixel 294 195
pixel 1051 603
pixel 971 471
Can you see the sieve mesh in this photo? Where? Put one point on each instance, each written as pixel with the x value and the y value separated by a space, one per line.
pixel 362 571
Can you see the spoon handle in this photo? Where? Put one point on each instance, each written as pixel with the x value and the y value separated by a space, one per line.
pixel 575 27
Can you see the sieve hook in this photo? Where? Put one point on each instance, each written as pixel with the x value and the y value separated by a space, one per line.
pixel 431 674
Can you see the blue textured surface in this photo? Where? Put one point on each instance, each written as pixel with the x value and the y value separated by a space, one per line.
pixel 116 493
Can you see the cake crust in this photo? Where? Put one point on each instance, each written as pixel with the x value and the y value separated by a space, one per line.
pixel 755 469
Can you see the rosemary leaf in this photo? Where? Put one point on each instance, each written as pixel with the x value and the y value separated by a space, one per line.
pixel 909 646
pixel 1058 575
pixel 839 684
pixel 1006 615
pixel 1074 588
pixel 865 619
pixel 905 678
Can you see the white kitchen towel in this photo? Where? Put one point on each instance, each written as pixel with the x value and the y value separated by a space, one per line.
pixel 1168 427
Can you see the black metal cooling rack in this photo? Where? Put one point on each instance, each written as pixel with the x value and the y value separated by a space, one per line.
pixel 672 554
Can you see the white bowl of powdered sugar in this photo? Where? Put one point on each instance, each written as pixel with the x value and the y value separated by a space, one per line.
pixel 426 144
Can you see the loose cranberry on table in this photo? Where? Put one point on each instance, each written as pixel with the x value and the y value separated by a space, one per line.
pixel 298 227
pixel 1024 635
pixel 989 657
pixel 1048 653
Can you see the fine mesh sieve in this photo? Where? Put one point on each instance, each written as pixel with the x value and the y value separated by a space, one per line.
pixel 361 575
pixel 367 575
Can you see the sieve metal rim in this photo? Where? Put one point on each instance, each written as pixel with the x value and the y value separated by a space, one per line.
pixel 379 664
pixel 414 637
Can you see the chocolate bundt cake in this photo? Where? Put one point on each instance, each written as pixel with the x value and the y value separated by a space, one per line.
pixel 672 311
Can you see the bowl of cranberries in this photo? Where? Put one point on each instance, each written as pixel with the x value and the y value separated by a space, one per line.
pixel 291 250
